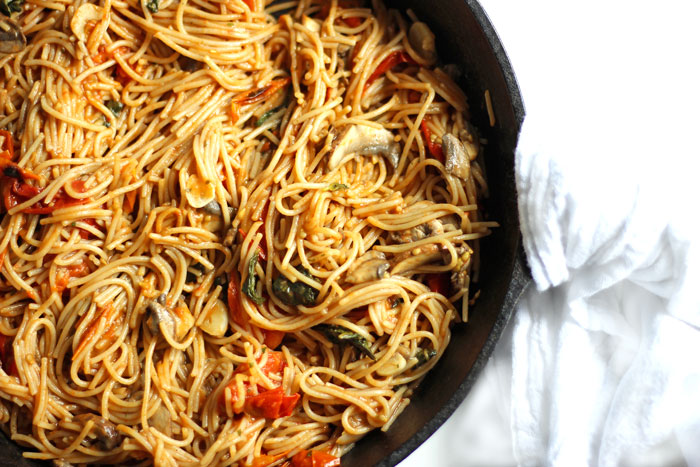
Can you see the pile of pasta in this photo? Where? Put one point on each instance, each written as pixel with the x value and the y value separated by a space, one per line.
pixel 232 233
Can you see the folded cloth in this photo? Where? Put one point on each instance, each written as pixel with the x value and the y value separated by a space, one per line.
pixel 604 347
pixel 603 352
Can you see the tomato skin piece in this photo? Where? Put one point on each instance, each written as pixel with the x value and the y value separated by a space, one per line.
pixel 84 234
pixel 7 356
pixel 439 283
pixel 306 458
pixel 15 190
pixel 65 273
pixel 264 460
pixel 8 146
pixel 273 338
pixel 271 404
pixel 434 148
pixel 274 365
pixel 353 21
pixel 388 63
pixel 256 95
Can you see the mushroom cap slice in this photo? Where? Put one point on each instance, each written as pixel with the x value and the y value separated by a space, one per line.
pixel 86 12
pixel 12 39
pixel 198 191
pixel 422 40
pixel 456 157
pixel 363 139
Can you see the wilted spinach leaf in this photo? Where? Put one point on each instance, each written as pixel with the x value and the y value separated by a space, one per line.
pixel 341 336
pixel 250 285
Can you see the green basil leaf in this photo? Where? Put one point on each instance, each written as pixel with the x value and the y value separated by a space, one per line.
pixel 295 293
pixel 337 186
pixel 282 288
pixel 7 7
pixel 114 106
pixel 266 116
pixel 152 6
pixel 251 282
pixel 423 355
pixel 341 336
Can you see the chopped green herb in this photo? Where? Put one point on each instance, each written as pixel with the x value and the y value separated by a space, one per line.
pixel 341 336
pixel 152 6
pixel 337 186
pixel 115 107
pixel 105 122
pixel 423 355
pixel 7 7
pixel 264 117
pixel 295 293
pixel 251 282
pixel 73 224
pixel 396 302
pixel 264 349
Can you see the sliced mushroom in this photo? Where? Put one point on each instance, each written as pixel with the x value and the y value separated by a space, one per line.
pixel 105 431
pixel 214 208
pixel 230 237
pixel 368 267
pixel 460 274
pixel 12 39
pixel 161 420
pixel 86 12
pixel 176 323
pixel 422 40
pixel 199 192
pixel 395 365
pixel 363 139
pixel 425 254
pixel 214 222
pixel 456 157
pixel 216 322
pixel 419 232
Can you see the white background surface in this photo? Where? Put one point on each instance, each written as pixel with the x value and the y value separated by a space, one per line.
pixel 637 61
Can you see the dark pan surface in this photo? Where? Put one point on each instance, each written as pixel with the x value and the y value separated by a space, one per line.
pixel 465 37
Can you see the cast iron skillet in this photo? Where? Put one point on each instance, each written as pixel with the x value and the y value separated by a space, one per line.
pixel 465 37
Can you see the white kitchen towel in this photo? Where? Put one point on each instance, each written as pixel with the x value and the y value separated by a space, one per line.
pixel 605 366
pixel 605 348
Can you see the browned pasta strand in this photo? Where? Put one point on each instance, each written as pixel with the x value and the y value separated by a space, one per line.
pixel 228 230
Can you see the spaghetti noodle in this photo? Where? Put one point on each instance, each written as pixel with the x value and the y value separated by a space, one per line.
pixel 232 233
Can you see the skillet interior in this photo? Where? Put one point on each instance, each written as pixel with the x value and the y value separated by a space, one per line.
pixel 465 37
